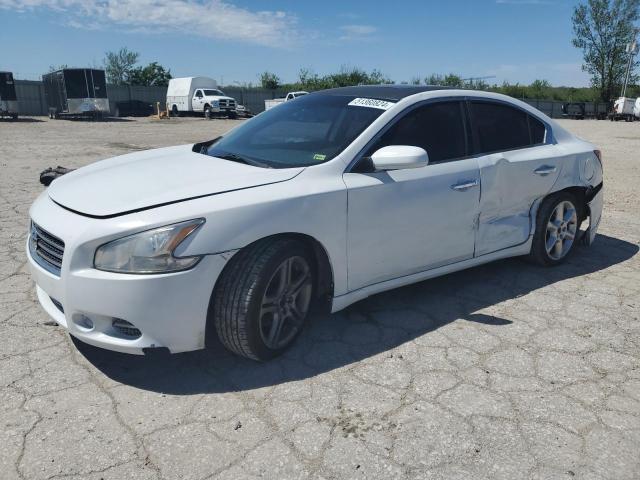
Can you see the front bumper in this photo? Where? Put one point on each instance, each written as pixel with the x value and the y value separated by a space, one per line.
pixel 169 310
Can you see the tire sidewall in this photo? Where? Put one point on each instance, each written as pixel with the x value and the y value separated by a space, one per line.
pixel 254 338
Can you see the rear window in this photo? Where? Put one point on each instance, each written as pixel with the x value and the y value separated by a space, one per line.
pixel 501 127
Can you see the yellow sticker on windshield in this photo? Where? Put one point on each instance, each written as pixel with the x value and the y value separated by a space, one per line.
pixel 319 157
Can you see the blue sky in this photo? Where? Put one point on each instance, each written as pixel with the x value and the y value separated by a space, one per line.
pixel 235 40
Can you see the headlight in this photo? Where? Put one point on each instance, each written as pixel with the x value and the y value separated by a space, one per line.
pixel 148 252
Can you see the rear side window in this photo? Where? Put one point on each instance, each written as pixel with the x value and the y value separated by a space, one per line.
pixel 501 127
pixel 438 128
pixel 538 130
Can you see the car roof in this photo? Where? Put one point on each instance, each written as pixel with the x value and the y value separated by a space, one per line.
pixel 383 92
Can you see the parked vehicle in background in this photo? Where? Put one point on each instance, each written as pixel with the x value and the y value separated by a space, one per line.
pixel 243 111
pixel 623 109
pixel 76 92
pixel 277 101
pixel 636 108
pixel 316 204
pixel 574 110
pixel 199 95
pixel 8 98
pixel 133 108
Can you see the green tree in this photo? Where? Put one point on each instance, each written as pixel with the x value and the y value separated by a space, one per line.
pixel 119 65
pixel 269 80
pixel 539 89
pixel 602 29
pixel 449 80
pixel 153 74
pixel 53 68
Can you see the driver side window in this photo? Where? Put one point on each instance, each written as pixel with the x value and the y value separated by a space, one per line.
pixel 199 93
pixel 439 128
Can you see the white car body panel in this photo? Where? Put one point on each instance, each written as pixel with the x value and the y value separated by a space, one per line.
pixel 404 221
pixel 379 230
pixel 178 174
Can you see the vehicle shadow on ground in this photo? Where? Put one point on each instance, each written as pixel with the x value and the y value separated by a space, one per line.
pixel 368 328
pixel 21 120
pixel 96 120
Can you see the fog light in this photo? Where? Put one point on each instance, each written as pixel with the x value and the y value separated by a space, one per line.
pixel 83 322
pixel 125 328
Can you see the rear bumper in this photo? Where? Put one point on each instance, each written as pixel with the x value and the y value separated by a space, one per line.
pixel 594 205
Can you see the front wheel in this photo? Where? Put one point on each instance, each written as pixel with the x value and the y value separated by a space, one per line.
pixel 263 298
pixel 557 228
pixel 207 112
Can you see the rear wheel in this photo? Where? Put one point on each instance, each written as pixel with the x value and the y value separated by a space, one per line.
pixel 174 111
pixel 263 298
pixel 557 229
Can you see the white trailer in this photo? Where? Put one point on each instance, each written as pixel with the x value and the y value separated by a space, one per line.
pixel 200 95
pixel 623 109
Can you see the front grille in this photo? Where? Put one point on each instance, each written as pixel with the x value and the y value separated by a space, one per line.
pixel 46 249
pixel 126 328
pixel 227 103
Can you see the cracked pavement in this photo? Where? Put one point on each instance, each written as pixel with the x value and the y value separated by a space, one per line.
pixel 506 371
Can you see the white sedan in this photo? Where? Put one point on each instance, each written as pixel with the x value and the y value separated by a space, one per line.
pixel 313 205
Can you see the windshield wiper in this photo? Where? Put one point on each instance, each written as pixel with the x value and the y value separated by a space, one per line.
pixel 234 157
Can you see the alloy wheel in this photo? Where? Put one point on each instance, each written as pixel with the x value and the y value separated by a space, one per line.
pixel 561 231
pixel 285 302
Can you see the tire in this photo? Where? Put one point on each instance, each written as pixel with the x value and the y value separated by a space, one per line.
pixel 174 111
pixel 245 296
pixel 233 115
pixel 542 251
pixel 207 112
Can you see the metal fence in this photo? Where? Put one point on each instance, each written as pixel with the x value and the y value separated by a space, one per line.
pixel 31 99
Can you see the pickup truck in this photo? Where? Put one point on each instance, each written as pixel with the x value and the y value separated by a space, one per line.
pixel 277 101
pixel 198 95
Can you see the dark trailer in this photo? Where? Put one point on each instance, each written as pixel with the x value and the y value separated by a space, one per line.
pixel 76 92
pixel 8 99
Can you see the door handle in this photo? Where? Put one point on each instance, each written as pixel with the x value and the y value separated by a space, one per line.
pixel 466 185
pixel 544 170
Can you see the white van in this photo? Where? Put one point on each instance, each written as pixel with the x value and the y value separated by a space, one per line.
pixel 198 94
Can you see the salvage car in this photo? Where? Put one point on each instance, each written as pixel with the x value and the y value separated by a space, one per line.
pixel 313 205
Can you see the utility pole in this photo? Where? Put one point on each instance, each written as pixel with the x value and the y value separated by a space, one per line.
pixel 632 49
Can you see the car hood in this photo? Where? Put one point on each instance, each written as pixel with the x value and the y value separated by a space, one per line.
pixel 143 180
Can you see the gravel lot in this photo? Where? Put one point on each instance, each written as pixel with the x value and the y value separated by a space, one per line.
pixel 506 371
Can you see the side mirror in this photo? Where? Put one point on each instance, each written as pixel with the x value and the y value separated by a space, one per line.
pixel 397 157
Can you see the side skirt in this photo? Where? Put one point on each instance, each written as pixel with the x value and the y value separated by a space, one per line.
pixel 347 299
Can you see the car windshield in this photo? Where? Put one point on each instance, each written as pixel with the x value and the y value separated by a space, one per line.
pixel 311 130
pixel 213 93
